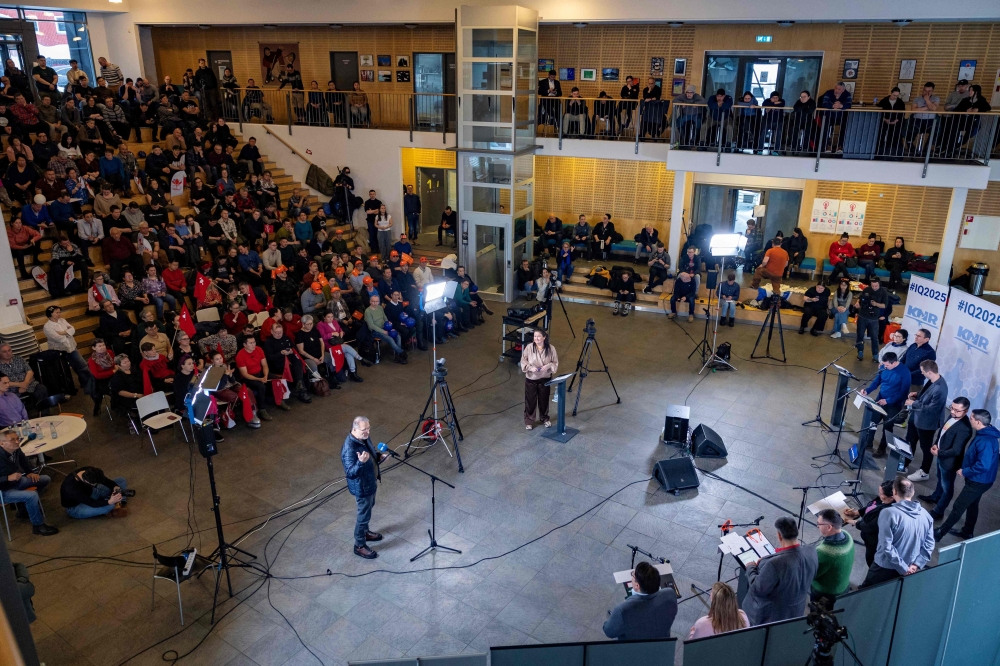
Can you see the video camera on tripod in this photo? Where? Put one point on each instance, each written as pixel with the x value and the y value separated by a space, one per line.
pixel 827 632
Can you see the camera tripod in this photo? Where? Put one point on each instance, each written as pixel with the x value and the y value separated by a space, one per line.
pixel 827 632
pixel 548 310
pixel 773 314
pixel 709 355
pixel 583 365
pixel 434 428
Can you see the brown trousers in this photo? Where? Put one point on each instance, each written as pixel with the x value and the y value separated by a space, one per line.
pixel 761 273
pixel 536 394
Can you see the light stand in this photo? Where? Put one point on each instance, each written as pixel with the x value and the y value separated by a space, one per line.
pixel 703 347
pixel 822 388
pixel 714 359
pixel 773 314
pixel 720 245
pixel 432 532
pixel 548 308
pixel 583 365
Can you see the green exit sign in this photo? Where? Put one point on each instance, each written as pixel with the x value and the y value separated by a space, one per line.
pixel 763 38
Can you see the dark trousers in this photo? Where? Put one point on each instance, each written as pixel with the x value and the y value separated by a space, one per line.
pixel 443 231
pixel 890 413
pixel 625 298
pixel 674 301
pixel 536 394
pixel 945 489
pixel 877 574
pixel 839 269
pixel 967 502
pixel 57 268
pixel 808 312
pixel 365 506
pixel 596 252
pixel 925 438
pixel 21 254
pixel 259 390
pixel 867 327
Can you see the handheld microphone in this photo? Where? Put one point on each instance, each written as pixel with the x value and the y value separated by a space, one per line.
pixel 385 449
pixel 757 521
pixel 849 483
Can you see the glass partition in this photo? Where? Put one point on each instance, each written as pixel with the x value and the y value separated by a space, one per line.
pixel 487 76
pixel 489 42
pixel 486 108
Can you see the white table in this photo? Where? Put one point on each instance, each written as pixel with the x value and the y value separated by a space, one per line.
pixel 68 429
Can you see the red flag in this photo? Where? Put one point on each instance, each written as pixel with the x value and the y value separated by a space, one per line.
pixel 201 287
pixel 253 304
pixel 147 383
pixel 184 321
pixel 337 352
pixel 246 399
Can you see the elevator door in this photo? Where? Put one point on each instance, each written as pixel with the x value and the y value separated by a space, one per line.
pixel 343 69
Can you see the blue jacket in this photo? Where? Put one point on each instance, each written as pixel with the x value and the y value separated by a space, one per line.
pixel 411 204
pixel 112 167
pixel 33 219
pixel 361 477
pixel 303 231
pixel 719 111
pixel 895 384
pixel 914 356
pixel 60 212
pixel 982 456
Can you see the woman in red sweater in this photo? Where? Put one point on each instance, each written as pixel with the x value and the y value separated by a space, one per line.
pixel 840 251
pixel 102 366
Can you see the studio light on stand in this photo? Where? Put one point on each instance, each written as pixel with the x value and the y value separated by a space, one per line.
pixel 720 245
pixel 199 403
pixel 435 297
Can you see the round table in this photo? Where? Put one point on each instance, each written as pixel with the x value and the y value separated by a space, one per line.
pixel 68 429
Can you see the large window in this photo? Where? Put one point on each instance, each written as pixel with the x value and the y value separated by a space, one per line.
pixel 61 37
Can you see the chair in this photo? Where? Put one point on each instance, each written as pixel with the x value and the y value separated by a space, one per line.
pixel 172 569
pixel 207 314
pixel 155 415
pixel 3 508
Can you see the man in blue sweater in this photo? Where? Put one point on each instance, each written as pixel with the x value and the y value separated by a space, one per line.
pixel 361 467
pixel 979 469
pixel 920 350
pixel 893 384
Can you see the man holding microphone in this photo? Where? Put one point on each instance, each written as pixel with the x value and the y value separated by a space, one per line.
pixel 361 462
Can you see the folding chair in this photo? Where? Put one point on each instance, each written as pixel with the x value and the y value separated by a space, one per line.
pixel 155 415
pixel 3 508
pixel 172 569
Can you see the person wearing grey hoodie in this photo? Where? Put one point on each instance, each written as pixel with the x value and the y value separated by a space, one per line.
pixel 689 118
pixel 905 537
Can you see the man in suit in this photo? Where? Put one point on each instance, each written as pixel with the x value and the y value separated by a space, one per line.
pixel 779 584
pixel 956 433
pixel 549 88
pixel 361 461
pixel 927 409
pixel 648 613
pixel 979 469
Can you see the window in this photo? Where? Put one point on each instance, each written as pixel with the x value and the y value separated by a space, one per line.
pixel 61 37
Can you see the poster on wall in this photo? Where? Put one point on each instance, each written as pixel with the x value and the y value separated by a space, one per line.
pixel 824 217
pixel 567 73
pixel 995 99
pixel 907 68
pixel 546 65
pixel 967 348
pixel 980 232
pixel 851 69
pixel 926 301
pixel 656 66
pixel 851 217
pixel 905 89
pixel 677 87
pixel 274 58
pixel 588 74
pixel 967 69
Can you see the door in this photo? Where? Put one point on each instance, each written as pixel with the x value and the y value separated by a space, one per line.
pixel 344 69
pixel 761 77
pixel 219 61
pixel 434 192
pixel 761 74
pixel 433 79
pixel 491 259
pixel 743 210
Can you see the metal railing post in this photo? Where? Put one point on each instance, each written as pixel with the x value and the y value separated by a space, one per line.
pixel 558 121
pixel 638 124
pixel 350 117
pixel 239 109
pixel 930 143
pixel 288 110
pixel 820 140
pixel 718 138
pixel 412 117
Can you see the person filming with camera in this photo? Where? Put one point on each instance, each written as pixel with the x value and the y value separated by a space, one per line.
pixel 87 493
pixel 871 306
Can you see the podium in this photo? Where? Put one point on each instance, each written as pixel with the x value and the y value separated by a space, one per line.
pixel 844 376
pixel 746 550
pixel 561 432
pixel 868 426
pixel 899 455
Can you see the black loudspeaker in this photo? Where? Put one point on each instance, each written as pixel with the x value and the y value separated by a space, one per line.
pixel 676 474
pixel 675 427
pixel 706 443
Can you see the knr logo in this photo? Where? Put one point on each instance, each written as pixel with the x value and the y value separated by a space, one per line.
pixel 928 318
pixel 972 340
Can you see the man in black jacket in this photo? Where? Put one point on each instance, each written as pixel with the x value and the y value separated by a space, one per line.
pixel 795 245
pixel 20 485
pixel 867 521
pixel 602 238
pixel 552 233
pixel 871 306
pixel 87 493
pixel 207 85
pixel 648 613
pixel 548 88
pixel 629 91
pixel 361 466
pixel 956 433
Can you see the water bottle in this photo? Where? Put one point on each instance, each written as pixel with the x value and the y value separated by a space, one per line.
pixel 52 425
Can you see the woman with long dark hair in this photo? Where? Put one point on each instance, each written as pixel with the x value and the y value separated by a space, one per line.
pixel 539 363
pixel 895 260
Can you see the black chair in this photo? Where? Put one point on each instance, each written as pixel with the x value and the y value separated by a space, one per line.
pixel 53 370
pixel 172 569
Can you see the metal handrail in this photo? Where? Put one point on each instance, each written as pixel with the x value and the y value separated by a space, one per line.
pixel 287 145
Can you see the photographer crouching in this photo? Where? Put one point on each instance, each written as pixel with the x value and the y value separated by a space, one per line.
pixel 87 493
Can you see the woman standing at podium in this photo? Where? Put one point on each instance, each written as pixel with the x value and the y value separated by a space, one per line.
pixel 539 363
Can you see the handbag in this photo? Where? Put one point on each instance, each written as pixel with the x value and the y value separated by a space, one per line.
pixel 320 387
pixel 851 262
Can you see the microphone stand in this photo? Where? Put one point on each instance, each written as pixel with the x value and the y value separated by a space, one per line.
pixel 822 388
pixel 728 527
pixel 659 560
pixel 432 532
pixel 840 431
pixel 805 493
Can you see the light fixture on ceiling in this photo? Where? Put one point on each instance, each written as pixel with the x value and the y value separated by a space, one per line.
pixel 410 26
pixel 675 24
pixel 204 27
pixel 270 26
pixel 336 26
pixel 115 2
pixel 78 39
pixel 82 28
pixel 786 24
pixel 579 25
pixel 902 22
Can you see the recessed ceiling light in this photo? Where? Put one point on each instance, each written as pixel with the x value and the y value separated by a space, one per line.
pixel 410 26
pixel 268 26
pixel 675 24
pixel 579 25
pixel 902 22
pixel 78 39
pixel 786 24
pixel 204 27
pixel 336 26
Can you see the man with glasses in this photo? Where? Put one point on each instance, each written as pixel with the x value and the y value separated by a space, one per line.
pixel 835 554
pixel 893 384
pixel 956 433
pixel 361 466
pixel 920 350
pixel 979 469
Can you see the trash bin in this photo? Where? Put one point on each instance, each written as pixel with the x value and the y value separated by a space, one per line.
pixel 977 278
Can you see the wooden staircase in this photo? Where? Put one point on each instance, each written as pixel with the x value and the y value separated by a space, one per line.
pixel 74 307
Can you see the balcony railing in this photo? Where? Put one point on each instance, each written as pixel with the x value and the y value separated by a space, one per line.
pixel 859 133
pixel 413 112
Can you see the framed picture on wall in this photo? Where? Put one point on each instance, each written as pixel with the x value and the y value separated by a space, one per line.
pixel 656 66
pixel 967 69
pixel 367 61
pixel 677 86
pixel 546 64
pixel 849 86
pixel 680 66
pixel 385 76
pixel 588 74
pixel 403 61
pixel 904 90
pixel 402 76
pixel 851 69
pixel 368 75
pixel 907 68
pixel 385 61
pixel 609 74
pixel 567 73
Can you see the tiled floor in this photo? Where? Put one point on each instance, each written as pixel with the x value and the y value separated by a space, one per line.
pixel 516 487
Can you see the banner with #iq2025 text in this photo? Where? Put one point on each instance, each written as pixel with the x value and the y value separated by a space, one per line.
pixel 925 305
pixel 967 348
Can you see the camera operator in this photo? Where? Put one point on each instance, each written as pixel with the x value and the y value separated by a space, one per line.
pixel 648 613
pixel 871 307
pixel 87 493
pixel 779 584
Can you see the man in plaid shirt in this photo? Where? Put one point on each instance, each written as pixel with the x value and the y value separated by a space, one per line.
pixel 27 118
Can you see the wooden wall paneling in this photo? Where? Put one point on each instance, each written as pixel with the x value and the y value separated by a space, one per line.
pixel 424 157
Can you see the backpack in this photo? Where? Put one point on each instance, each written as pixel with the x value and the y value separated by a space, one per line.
pixel 600 277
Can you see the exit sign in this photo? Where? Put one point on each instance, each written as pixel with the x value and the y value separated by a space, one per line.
pixel 763 38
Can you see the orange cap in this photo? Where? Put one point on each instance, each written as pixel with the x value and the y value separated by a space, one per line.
pixel 317 287
pixel 367 280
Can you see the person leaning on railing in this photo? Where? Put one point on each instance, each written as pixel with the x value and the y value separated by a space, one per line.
pixel 773 125
pixel 688 117
pixel 254 104
pixel 576 112
pixel 359 104
pixel 836 99
pixel 747 118
pixel 803 123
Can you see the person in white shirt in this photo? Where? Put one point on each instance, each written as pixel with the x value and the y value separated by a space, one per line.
pixel 383 226
pixel 59 334
pixel 422 274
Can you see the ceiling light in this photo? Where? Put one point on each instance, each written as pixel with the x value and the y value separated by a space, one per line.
pixel 336 26
pixel 579 25
pixel 675 24
pixel 204 27
pixel 116 2
pixel 82 28
pixel 410 26
pixel 78 39
pixel 786 24
pixel 269 26
pixel 902 22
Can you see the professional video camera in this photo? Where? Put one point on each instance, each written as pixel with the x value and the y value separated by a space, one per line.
pixel 589 328
pixel 827 632
pixel 440 372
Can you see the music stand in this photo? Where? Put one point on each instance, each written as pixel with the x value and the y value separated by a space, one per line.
pixel 561 433
pixel 899 456
pixel 822 389
pixel 840 404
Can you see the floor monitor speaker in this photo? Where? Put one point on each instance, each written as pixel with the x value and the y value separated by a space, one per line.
pixel 675 428
pixel 706 443
pixel 676 474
